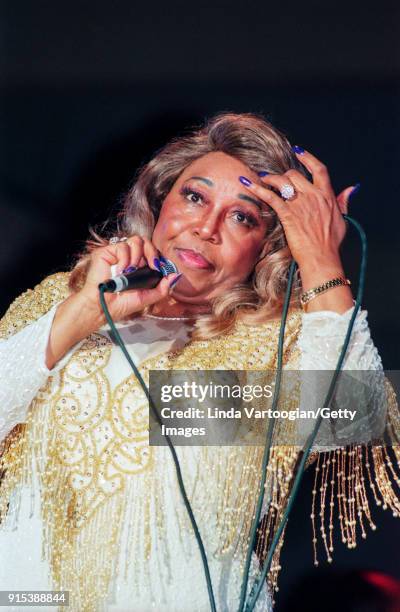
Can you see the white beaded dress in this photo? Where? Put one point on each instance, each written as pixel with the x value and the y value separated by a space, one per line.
pixel 158 565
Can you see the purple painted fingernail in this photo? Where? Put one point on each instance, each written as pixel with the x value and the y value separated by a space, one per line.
pixel 157 263
pixel 298 149
pixel 355 190
pixel 175 280
pixel 263 173
pixel 245 181
pixel 129 269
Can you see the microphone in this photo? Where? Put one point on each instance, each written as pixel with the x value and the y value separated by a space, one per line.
pixel 142 278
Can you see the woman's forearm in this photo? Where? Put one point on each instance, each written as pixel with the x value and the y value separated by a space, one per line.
pixel 74 320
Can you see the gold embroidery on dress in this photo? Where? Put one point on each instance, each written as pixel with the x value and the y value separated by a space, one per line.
pixel 86 440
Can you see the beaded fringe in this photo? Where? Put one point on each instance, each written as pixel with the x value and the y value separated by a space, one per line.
pixel 280 472
pixel 342 479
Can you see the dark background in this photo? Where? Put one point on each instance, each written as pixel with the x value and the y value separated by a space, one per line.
pixel 89 90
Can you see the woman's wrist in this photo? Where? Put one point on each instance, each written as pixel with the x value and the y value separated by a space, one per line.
pixel 319 270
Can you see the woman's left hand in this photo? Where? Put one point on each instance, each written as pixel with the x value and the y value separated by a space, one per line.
pixel 312 220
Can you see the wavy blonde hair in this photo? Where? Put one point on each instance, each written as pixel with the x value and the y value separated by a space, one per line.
pixel 250 138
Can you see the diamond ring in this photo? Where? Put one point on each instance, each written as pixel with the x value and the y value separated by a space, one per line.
pixel 287 191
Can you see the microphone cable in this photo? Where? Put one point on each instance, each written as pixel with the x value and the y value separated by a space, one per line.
pixel 258 584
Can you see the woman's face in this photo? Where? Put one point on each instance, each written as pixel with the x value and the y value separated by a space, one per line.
pixel 211 228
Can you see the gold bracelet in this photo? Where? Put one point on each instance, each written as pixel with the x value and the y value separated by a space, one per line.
pixel 312 293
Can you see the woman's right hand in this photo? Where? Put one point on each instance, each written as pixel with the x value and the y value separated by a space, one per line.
pixel 135 252
pixel 81 313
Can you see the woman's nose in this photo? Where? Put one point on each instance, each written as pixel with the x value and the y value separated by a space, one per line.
pixel 207 227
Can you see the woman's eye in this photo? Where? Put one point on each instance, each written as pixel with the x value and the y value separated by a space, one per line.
pixel 195 197
pixel 244 218
pixel 192 196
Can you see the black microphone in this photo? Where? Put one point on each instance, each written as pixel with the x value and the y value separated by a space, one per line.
pixel 142 278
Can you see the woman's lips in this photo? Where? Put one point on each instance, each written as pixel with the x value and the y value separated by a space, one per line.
pixel 192 259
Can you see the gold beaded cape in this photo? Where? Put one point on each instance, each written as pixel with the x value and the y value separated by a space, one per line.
pixel 82 486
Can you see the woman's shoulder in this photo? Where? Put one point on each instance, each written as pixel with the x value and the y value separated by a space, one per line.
pixel 34 303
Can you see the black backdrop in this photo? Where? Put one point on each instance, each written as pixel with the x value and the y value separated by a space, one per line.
pixel 90 90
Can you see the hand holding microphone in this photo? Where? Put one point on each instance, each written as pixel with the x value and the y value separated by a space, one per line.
pixel 81 313
pixel 137 265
